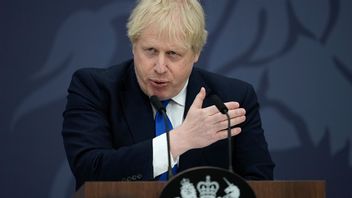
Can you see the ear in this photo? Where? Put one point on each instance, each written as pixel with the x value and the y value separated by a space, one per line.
pixel 133 48
pixel 196 57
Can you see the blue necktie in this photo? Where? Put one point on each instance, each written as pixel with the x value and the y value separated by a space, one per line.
pixel 160 128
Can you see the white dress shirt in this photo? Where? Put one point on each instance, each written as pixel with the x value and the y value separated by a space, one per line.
pixel 174 111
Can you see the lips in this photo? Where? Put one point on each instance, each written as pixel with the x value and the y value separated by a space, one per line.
pixel 158 83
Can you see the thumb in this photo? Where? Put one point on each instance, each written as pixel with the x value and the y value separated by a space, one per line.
pixel 198 101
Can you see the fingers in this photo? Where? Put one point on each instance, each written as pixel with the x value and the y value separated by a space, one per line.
pixel 204 126
pixel 219 121
pixel 219 117
pixel 233 122
pixel 198 101
pixel 232 105
pixel 223 134
pixel 213 109
pixel 237 116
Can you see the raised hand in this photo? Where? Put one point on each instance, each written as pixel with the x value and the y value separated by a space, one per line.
pixel 204 126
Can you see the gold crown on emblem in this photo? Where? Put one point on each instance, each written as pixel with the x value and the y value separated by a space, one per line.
pixel 207 188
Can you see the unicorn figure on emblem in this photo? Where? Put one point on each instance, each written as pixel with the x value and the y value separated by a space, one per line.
pixel 232 191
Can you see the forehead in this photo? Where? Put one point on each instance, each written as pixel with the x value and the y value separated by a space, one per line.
pixel 156 37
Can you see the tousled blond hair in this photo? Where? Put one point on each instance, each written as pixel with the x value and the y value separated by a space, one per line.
pixel 180 20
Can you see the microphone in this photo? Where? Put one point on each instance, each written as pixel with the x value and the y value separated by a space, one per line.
pixel 219 104
pixel 157 104
pixel 224 110
pixel 161 109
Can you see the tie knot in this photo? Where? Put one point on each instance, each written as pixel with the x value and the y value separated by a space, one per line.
pixel 165 102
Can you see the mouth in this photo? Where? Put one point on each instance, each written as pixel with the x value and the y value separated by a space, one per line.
pixel 158 83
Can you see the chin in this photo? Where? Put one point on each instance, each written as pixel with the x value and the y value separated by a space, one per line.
pixel 155 92
pixel 162 96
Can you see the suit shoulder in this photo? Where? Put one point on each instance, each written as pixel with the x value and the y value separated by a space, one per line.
pixel 109 74
pixel 230 89
pixel 97 85
pixel 217 81
pixel 100 80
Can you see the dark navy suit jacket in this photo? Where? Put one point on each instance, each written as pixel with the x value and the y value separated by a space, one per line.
pixel 109 126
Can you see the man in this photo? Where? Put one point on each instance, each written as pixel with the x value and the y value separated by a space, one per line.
pixel 109 127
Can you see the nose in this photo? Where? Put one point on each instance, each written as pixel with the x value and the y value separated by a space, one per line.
pixel 160 66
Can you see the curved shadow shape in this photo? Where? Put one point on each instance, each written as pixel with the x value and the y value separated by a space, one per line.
pixel 334 6
pixel 343 69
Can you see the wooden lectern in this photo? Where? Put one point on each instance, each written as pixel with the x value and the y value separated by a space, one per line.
pixel 263 189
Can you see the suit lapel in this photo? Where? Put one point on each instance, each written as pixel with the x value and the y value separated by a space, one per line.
pixel 136 108
pixel 196 81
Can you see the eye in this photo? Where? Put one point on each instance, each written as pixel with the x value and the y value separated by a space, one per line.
pixel 172 54
pixel 150 51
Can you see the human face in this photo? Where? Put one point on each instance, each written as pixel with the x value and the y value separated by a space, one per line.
pixel 162 66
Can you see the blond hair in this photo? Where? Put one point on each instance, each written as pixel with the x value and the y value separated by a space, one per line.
pixel 180 20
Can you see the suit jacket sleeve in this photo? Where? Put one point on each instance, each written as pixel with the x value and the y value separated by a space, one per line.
pixel 252 159
pixel 87 135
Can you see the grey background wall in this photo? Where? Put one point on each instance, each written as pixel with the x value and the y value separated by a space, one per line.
pixel 296 53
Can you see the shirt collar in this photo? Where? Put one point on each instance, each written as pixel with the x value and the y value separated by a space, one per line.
pixel 180 98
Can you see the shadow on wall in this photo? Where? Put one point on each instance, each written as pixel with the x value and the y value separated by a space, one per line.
pixel 306 161
pixel 309 161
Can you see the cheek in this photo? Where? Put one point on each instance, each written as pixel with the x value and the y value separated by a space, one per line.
pixel 141 79
pixel 181 75
pixel 139 72
pixel 139 64
pixel 186 71
pixel 144 64
pixel 143 71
